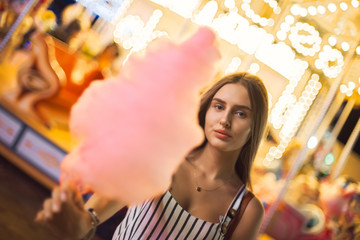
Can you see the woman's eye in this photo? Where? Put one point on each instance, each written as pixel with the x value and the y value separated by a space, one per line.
pixel 240 114
pixel 218 107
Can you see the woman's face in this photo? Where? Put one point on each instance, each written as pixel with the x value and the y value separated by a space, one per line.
pixel 229 118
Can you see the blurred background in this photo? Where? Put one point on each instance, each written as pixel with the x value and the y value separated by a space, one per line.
pixel 307 53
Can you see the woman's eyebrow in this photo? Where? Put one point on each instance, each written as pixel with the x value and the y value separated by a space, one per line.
pixel 237 105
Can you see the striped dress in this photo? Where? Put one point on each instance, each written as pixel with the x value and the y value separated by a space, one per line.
pixel 164 218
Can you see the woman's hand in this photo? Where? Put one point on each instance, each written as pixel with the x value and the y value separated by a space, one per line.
pixel 64 213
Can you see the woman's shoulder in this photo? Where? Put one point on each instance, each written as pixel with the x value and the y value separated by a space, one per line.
pixel 255 205
pixel 250 223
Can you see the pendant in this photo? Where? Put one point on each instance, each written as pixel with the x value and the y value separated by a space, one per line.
pixel 198 189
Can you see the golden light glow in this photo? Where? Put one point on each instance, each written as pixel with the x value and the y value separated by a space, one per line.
pixel 330 61
pixel 132 33
pixel 233 65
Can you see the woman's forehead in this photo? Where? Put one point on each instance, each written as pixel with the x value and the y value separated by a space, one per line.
pixel 234 93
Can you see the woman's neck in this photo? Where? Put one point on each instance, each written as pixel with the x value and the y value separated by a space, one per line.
pixel 216 164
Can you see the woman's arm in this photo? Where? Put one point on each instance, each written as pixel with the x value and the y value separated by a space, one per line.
pixel 249 225
pixel 66 214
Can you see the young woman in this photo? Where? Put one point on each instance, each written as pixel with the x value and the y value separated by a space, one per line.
pixel 207 187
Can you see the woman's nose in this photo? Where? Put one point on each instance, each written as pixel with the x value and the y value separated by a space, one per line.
pixel 225 120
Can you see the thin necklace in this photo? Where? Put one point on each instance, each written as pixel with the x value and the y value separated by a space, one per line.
pixel 198 188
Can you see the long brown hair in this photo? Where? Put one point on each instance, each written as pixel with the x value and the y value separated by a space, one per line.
pixel 259 104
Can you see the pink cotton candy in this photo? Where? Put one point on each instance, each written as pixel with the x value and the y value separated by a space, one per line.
pixel 135 129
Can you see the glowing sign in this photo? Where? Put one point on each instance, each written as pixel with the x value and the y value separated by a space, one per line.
pixel 108 9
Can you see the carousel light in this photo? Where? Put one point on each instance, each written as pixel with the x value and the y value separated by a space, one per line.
pixel 277 10
pixel 230 4
pixel 184 8
pixel 233 65
pixel 281 35
pixel 343 88
pixel 349 93
pixel 358 90
pixel 332 7
pixel 296 109
pixel 286 64
pixel 315 77
pixel 295 9
pixel 345 46
pixel 254 68
pixel 328 55
pixel 207 14
pixel 358 50
pixel 343 6
pixel 332 40
pixel 312 10
pixel 312 142
pixel 285 26
pixel 245 6
pixel 303 12
pixel 321 9
pixel 351 85
pixel 355 3
pixel 298 41
pixel 289 19
pixel 132 33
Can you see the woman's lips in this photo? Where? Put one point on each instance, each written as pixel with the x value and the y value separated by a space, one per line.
pixel 221 134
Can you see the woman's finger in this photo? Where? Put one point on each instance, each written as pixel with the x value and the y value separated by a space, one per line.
pixel 70 192
pixel 56 199
pixel 48 208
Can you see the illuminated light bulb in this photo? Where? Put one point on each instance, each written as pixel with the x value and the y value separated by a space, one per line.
pixel 207 14
pixel 298 40
pixel 255 17
pixel 351 85
pixel 312 10
pixel 358 50
pixel 233 65
pixel 263 22
pixel 184 8
pixel 330 55
pixel 271 22
pixel 245 7
pixel 321 9
pixel 343 88
pixel 343 6
pixel 266 162
pixel 285 26
pixel 303 12
pixel 254 68
pixel 332 7
pixel 318 86
pixel 289 19
pixel 277 10
pixel 349 93
pixel 315 77
pixel 230 4
pixel 358 90
pixel 332 40
pixel 355 3
pixel 295 9
pixel 345 46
